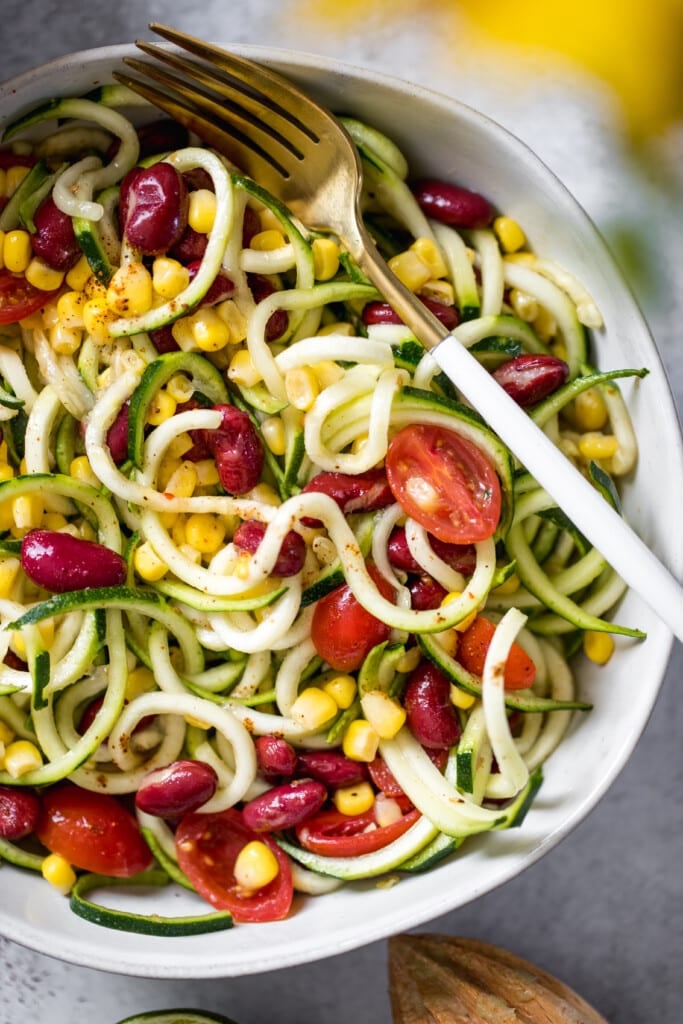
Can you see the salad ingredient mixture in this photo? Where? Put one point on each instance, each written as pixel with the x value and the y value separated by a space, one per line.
pixel 279 611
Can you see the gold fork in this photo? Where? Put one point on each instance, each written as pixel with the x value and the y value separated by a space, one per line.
pixel 300 152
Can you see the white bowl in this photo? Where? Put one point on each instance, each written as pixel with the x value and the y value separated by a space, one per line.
pixel 444 138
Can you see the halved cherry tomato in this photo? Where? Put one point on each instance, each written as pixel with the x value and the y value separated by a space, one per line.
pixel 445 482
pixel 207 846
pixel 93 831
pixel 342 631
pixel 473 643
pixel 18 298
pixel 383 777
pixel 333 834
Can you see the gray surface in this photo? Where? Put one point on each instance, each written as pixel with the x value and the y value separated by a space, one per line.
pixel 605 910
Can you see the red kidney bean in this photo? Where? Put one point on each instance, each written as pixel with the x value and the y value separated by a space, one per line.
pixel 90 713
pixel 177 789
pixel 161 136
pixel 153 207
pixel 531 377
pixel 117 436
pixel 366 492
pixel 19 812
pixel 331 767
pixel 60 562
pixel 54 241
pixel 190 247
pixel 222 286
pixel 383 313
pixel 430 715
pixel 278 321
pixel 461 557
pixel 275 756
pixel 290 560
pixel 198 177
pixel 163 340
pixel 13 660
pixel 238 452
pixel 452 205
pixel 284 806
pixel 425 593
pixel 251 225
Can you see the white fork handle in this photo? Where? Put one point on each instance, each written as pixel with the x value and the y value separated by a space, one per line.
pixel 584 505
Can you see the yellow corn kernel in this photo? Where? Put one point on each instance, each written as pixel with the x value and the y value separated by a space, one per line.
pixel 140 680
pixel 301 386
pixel 130 291
pixel 384 713
pixel 269 220
pixel 526 259
pixel 180 388
pixel 360 741
pixel 54 521
pixel 342 689
pixel 558 348
pixel 79 275
pixel 268 240
pixel 9 571
pixel 2 239
pixel 182 481
pixel 180 444
pixel 201 211
pixel 440 290
pixel 327 372
pixel 510 586
pixel 545 325
pixel 242 370
pixel 169 277
pixel 468 620
pixel 429 253
pixel 354 800
pixel 14 177
pixel 460 699
pixel 46 628
pixel 594 445
pixel 524 305
pixel 6 471
pixel 359 443
pixel 590 410
pixel 264 493
pixel 205 532
pixel 209 332
pixel 21 757
pixel 410 660
pixel 27 511
pixel 447 639
pixel 97 316
pixel 161 408
pixel 234 318
pixel 147 563
pixel 336 327
pixel 242 566
pixel 255 866
pixel 16 251
pixel 6 734
pixel 313 708
pixel 178 530
pixel 6 516
pixel 41 276
pixel 65 340
pixel 70 309
pixel 325 258
pixel 56 870
pixel 598 647
pixel 411 269
pixel 273 433
pixel 207 473
pixel 80 469
pixel 509 234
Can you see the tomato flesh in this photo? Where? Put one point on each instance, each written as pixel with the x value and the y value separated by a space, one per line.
pixel 93 831
pixel 332 834
pixel 343 632
pixel 18 298
pixel 208 845
pixel 473 643
pixel 444 482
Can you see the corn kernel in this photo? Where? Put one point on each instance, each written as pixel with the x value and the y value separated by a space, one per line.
pixel 510 586
pixel 598 647
pixel 359 443
pixel 242 566
pixel 169 277
pixel 342 689
pixel 161 408
pixel 509 234
pixel 354 800
pixel 96 319
pixel 209 331
pixel 27 511
pixel 65 340
pixel 140 680
pixel 273 433
pixel 313 708
pixel 384 713
pixel 70 309
pixel 269 220
pixel 264 493
pixel 410 269
pixel 242 370
pixel 268 240
pixel 17 251
pixel 429 253
pixel 6 734
pixel 9 571
pixel 21 757
pixel 524 305
pixel 360 741
pixel 545 325
pixel 205 532
pixel 590 410
pixel 336 327
pixel 180 387
pixel 325 258
pixel 468 620
pixel 6 516
pixel 182 481
pixel 302 388
pixel 80 469
pixel 327 372
pixel 56 870
pixel 255 866
pixel 594 445
pixel 40 275
pixel 447 639
pixel 201 212
pixel 178 530
pixel 130 291
pixel 207 473
pixel 147 563
pixel 439 290
pixel 234 318
pixel 79 275
pixel 410 660
pixel 6 471
pixel 14 177
pixel 461 699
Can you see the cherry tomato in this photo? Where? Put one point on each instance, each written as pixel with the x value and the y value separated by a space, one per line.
pixel 333 834
pixel 343 632
pixel 473 643
pixel 93 831
pixel 207 846
pixel 444 482
pixel 384 780
pixel 18 298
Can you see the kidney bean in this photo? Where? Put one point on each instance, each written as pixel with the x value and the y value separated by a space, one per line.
pixel 451 204
pixel 430 715
pixel 275 756
pixel 251 225
pixel 198 177
pixel 163 340
pixel 190 247
pixel 90 713
pixel 238 452
pixel 383 313
pixel 13 660
pixel 284 806
pixel 161 136
pixel 153 207
pixel 366 492
pixel 461 557
pixel 292 555
pixel 331 767
pixel 177 789
pixel 60 562
pixel 19 812
pixel 54 241
pixel 278 321
pixel 531 377
pixel 222 286
pixel 117 436
pixel 425 593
